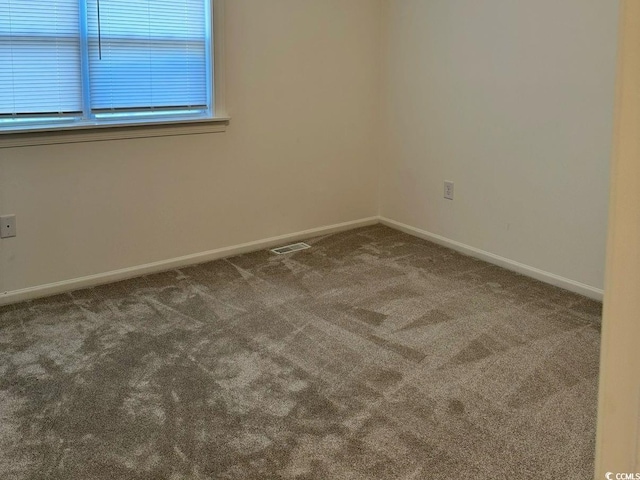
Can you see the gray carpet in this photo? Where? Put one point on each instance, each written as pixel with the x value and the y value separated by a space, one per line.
pixel 372 355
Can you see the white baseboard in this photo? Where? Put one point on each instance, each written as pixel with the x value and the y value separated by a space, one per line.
pixel 547 277
pixel 131 272
pixel 163 265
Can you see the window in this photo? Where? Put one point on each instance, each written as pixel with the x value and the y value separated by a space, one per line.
pixel 91 63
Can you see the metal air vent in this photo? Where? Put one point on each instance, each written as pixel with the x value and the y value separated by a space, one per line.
pixel 294 247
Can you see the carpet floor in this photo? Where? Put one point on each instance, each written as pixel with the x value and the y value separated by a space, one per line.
pixel 371 355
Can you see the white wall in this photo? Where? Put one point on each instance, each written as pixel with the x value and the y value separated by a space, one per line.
pixel 342 110
pixel 513 101
pixel 303 91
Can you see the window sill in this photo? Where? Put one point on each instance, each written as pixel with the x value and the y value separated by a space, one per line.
pixel 103 132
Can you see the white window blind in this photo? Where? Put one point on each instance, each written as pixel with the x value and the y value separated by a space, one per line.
pixel 147 54
pixel 39 57
pixel 96 61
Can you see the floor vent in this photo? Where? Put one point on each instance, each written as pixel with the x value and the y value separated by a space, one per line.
pixel 290 248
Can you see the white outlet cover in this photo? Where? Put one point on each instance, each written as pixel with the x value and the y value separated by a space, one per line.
pixel 448 190
pixel 7 226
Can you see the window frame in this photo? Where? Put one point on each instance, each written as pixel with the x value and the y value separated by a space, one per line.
pixel 146 126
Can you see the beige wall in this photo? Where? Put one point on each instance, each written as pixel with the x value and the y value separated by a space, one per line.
pixel 512 101
pixel 618 447
pixel 302 89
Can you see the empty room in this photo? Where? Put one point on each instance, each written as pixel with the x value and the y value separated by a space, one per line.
pixel 319 239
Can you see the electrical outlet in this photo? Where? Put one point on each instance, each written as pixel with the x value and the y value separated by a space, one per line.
pixel 448 190
pixel 7 226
